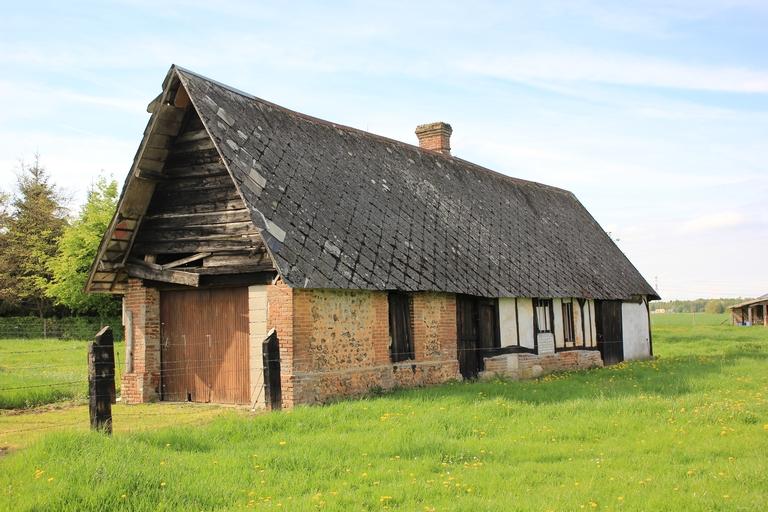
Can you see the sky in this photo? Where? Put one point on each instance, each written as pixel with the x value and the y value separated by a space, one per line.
pixel 654 113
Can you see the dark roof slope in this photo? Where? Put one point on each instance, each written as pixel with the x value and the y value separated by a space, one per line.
pixel 342 208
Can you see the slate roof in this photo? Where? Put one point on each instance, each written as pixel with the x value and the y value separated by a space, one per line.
pixel 343 208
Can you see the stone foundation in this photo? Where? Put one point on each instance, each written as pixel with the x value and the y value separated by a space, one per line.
pixel 528 366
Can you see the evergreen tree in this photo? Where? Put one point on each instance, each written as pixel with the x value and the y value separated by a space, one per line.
pixel 77 249
pixel 29 239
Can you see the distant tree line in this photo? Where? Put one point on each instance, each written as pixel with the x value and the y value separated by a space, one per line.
pixel 46 253
pixel 696 306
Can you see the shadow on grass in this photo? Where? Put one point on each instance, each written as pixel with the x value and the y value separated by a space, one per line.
pixel 666 377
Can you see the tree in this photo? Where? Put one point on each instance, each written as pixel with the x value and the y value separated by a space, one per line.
pixel 77 249
pixel 714 306
pixel 29 238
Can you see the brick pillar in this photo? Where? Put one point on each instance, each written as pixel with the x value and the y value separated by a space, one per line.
pixel 380 328
pixel 143 383
pixel 280 315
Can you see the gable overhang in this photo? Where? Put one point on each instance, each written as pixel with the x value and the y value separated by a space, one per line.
pixel 111 267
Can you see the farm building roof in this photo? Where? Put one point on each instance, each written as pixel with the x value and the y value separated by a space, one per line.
pixel 338 207
pixel 762 298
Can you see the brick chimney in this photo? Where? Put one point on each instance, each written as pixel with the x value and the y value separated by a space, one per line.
pixel 435 137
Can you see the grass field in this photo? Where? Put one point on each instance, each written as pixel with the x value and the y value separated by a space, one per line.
pixel 687 431
pixel 37 372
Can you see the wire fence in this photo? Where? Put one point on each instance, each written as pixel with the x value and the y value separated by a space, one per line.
pixel 222 376
pixel 66 328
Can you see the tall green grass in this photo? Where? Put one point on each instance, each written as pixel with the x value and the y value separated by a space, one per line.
pixel 37 372
pixel 687 431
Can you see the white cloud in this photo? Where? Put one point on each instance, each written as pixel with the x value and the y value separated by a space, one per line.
pixel 580 65
pixel 715 221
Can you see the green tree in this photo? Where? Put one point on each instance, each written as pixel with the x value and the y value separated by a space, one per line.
pixel 29 238
pixel 714 306
pixel 77 249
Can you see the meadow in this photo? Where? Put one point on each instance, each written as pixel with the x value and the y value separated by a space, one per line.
pixel 685 431
pixel 35 372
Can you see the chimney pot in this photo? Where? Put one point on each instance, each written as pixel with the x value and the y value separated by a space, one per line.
pixel 435 137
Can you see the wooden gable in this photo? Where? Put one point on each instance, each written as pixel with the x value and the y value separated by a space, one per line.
pixel 181 219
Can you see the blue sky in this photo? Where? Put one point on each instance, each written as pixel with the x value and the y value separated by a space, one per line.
pixel 655 116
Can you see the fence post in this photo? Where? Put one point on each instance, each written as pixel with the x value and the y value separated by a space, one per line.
pixel 101 380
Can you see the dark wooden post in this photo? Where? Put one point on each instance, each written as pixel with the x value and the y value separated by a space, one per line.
pixel 101 380
pixel 271 356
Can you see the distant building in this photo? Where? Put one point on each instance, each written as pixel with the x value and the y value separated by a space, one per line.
pixel 751 312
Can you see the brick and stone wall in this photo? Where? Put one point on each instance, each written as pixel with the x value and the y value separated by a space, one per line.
pixel 143 383
pixel 528 366
pixel 339 342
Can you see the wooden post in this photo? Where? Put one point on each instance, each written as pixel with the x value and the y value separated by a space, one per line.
pixel 101 380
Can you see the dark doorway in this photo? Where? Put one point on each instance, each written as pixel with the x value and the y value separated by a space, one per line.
pixel 610 340
pixel 271 355
pixel 478 332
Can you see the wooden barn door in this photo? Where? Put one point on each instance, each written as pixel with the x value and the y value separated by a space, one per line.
pixel 204 345
pixel 610 340
pixel 477 324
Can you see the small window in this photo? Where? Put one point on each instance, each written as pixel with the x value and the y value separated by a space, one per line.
pixel 543 315
pixel 400 338
pixel 568 332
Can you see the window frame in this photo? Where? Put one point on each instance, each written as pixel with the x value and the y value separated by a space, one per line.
pixel 549 317
pixel 400 309
pixel 569 326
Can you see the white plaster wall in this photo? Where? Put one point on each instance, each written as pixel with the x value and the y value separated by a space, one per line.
pixel 557 306
pixel 591 326
pixel 507 322
pixel 257 331
pixel 525 319
pixel 634 324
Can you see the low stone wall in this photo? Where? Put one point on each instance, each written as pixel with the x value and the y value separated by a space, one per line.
pixel 329 385
pixel 528 366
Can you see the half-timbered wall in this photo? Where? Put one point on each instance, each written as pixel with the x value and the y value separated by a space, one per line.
pixel 517 326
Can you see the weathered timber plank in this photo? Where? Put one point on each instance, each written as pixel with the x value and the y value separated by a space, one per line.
pixel 156 140
pixel 155 154
pixel 170 198
pixel 195 158
pixel 234 269
pixel 183 220
pixel 189 171
pixel 189 235
pixel 190 146
pixel 184 261
pixel 219 206
pixel 194 246
pixel 165 276
pixel 217 232
pixel 225 260
pixel 189 136
pixel 179 184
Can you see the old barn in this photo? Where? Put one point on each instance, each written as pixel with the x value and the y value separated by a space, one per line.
pixel 269 258
pixel 751 312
